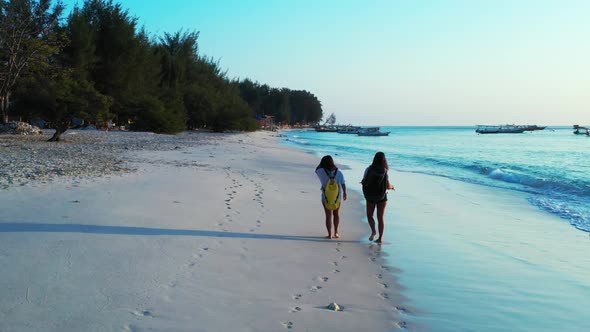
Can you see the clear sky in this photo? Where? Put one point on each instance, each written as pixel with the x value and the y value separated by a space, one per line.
pixel 406 62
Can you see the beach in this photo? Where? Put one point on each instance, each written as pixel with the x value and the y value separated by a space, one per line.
pixel 206 232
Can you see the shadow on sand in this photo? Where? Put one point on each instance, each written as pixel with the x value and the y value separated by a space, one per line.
pixel 128 230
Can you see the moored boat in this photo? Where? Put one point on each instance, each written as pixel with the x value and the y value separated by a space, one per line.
pixel 532 127
pixel 348 129
pixel 326 129
pixel 502 129
pixel 579 130
pixel 372 131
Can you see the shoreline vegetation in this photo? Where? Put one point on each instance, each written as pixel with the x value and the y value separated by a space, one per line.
pixel 95 65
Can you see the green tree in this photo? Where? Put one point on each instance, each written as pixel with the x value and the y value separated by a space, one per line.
pixel 59 98
pixel 178 52
pixel 29 36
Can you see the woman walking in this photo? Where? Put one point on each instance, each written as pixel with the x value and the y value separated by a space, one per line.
pixel 375 185
pixel 333 190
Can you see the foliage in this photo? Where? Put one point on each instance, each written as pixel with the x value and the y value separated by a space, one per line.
pixel 60 97
pixel 111 70
pixel 29 36
pixel 287 106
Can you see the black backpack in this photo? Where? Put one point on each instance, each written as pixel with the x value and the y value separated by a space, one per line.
pixel 375 184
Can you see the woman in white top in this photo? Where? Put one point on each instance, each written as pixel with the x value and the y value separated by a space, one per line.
pixel 324 171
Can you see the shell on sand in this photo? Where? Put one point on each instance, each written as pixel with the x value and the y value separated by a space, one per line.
pixel 334 306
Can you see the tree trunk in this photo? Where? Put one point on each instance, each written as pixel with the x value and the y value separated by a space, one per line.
pixel 4 102
pixel 59 129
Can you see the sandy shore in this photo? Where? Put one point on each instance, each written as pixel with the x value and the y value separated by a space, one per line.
pixel 221 232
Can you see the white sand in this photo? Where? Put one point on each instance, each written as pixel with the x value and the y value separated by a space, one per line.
pixel 233 242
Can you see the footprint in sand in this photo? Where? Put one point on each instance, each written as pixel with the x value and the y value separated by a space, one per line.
pixel 402 325
pixel 325 279
pixel 335 271
pixel 128 328
pixel 335 263
pixel 403 311
pixel 297 296
pixel 384 285
pixel 142 313
pixel 288 325
pixel 384 296
pixel 315 288
pixel 296 309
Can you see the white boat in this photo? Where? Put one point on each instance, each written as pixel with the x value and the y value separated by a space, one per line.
pixel 372 131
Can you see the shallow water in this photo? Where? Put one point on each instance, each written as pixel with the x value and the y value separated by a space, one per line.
pixel 552 166
pixel 529 271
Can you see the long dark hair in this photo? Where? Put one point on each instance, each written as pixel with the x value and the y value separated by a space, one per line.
pixel 380 161
pixel 327 163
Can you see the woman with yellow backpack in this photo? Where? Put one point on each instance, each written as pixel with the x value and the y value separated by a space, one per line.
pixel 333 191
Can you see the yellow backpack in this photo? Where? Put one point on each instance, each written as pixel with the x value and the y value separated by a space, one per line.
pixel 331 192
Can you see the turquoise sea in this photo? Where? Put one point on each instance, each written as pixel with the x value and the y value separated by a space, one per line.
pixel 529 280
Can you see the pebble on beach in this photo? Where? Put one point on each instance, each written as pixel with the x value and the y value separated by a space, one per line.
pixel 334 306
pixel 28 158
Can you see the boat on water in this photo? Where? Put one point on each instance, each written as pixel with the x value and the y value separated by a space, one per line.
pixel 501 129
pixel 372 131
pixel 326 129
pixel 532 127
pixel 348 129
pixel 579 130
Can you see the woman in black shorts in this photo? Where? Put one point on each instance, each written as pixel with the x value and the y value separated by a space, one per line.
pixel 375 185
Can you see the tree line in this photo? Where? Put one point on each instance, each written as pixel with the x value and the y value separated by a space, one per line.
pixel 98 65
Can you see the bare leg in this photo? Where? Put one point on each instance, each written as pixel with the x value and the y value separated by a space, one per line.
pixel 380 218
pixel 336 222
pixel 370 219
pixel 328 222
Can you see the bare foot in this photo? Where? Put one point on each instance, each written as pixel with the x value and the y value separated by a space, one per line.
pixel 372 237
pixel 329 236
pixel 337 236
pixel 378 240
